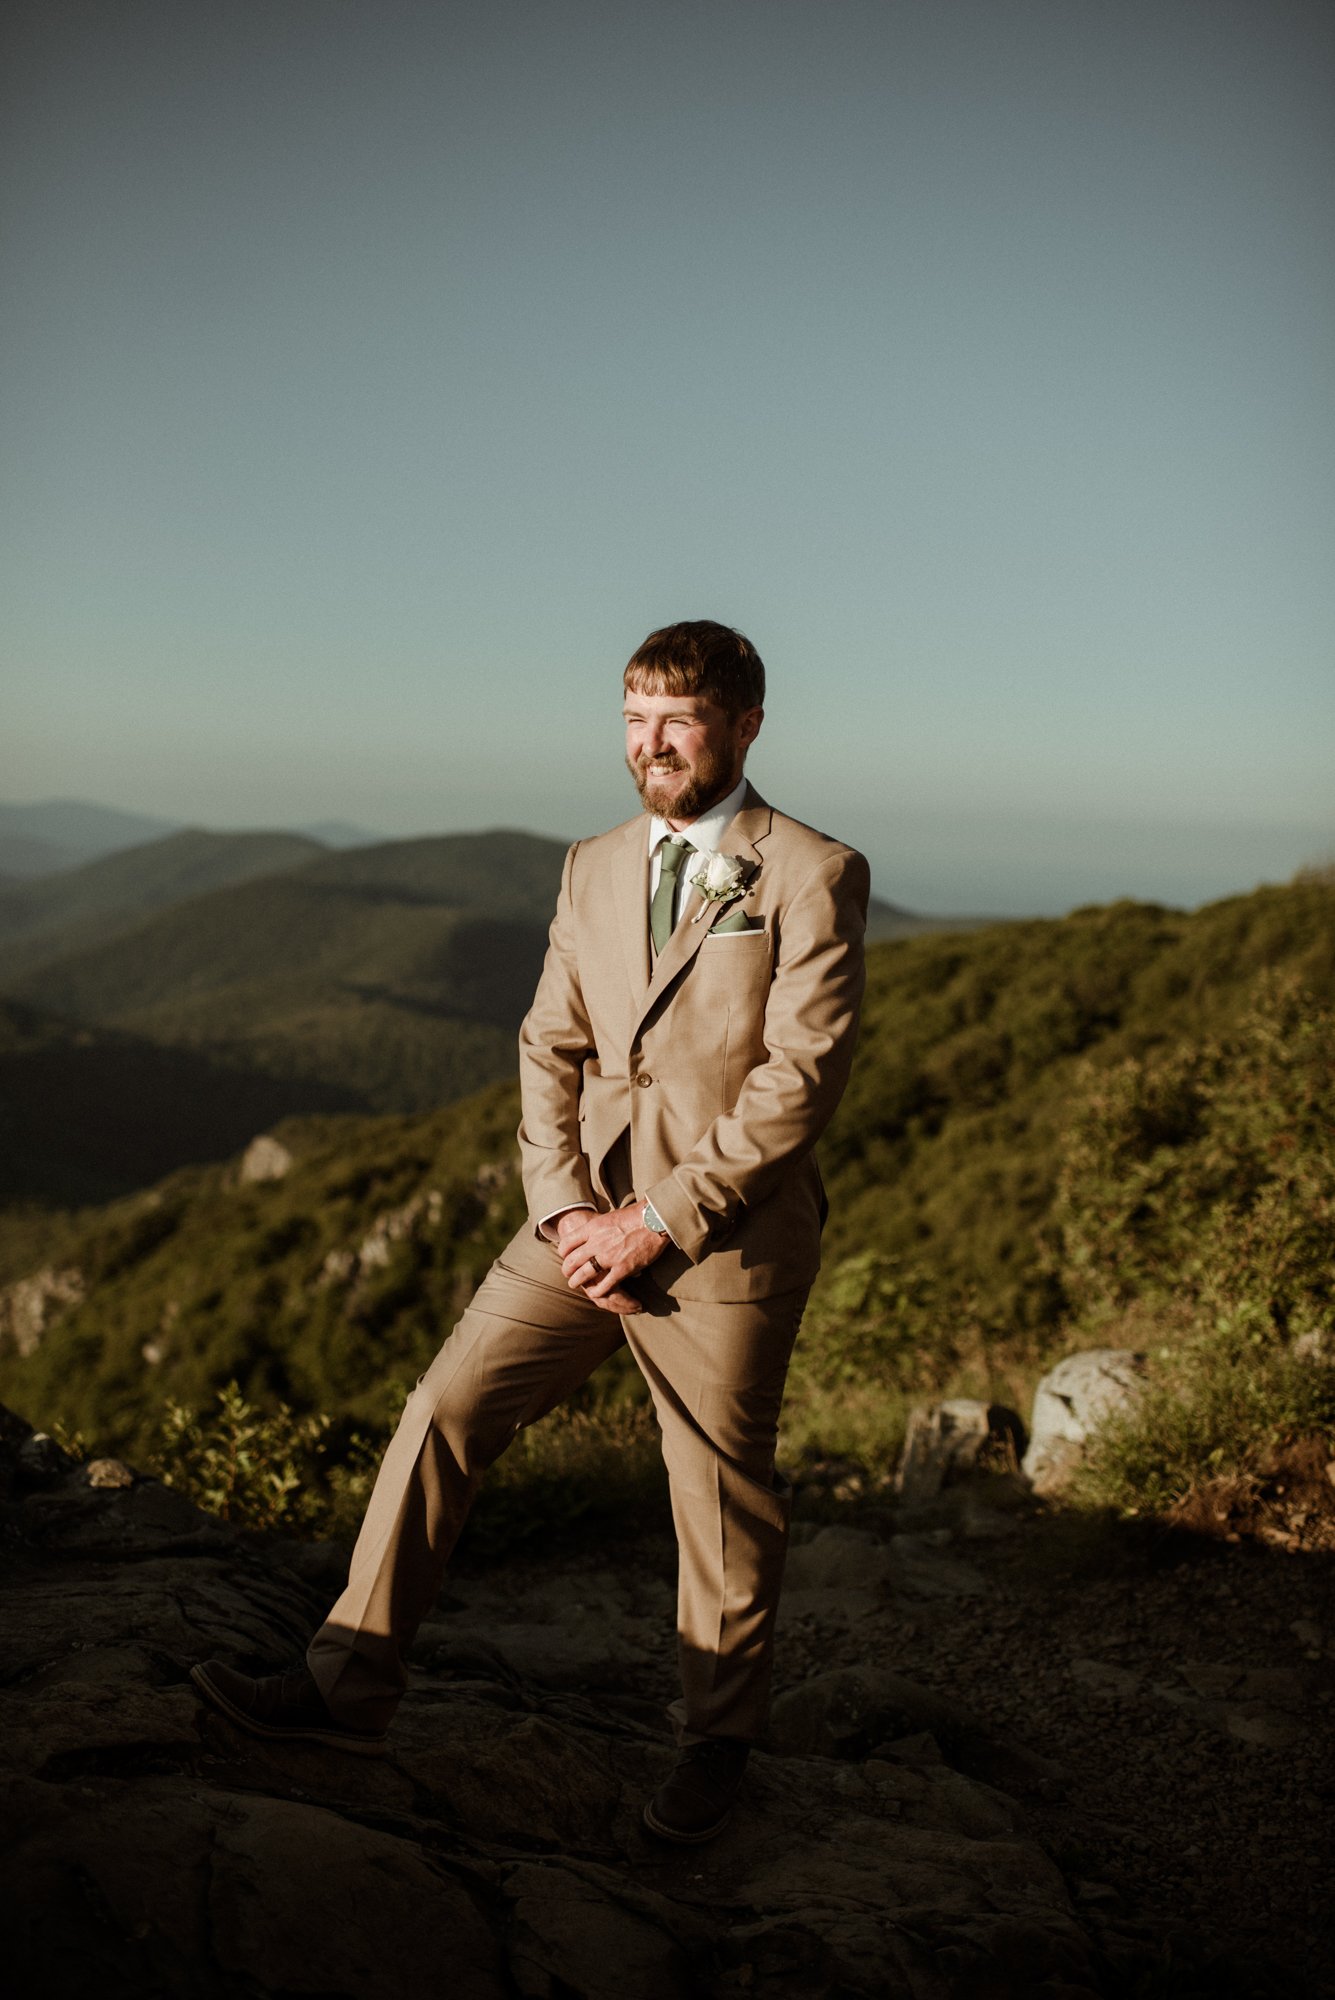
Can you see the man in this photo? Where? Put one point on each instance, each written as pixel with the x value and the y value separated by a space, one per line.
pixel 690 1036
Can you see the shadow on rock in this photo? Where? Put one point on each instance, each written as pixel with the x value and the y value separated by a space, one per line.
pixel 880 1848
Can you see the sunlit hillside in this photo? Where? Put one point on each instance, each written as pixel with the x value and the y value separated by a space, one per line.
pixel 954 1211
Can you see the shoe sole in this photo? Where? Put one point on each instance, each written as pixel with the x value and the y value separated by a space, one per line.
pixel 331 1739
pixel 657 1827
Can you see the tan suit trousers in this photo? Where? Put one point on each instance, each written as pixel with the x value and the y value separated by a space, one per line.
pixel 716 1375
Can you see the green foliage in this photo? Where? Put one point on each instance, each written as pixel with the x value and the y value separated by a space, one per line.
pixel 274 1469
pixel 265 1469
pixel 1064 1134
pixel 858 1355
pixel 1218 1403
pixel 880 1334
pixel 944 1152
pixel 576 1465
pixel 1206 1175
pixel 874 1318
pixel 1196 1209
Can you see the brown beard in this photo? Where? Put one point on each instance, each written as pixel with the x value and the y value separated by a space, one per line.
pixel 711 781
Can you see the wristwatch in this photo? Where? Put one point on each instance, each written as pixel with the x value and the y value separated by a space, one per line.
pixel 653 1220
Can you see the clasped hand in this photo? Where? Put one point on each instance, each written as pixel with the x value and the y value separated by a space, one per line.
pixel 600 1252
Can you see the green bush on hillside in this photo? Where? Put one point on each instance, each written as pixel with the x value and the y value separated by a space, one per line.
pixel 1207 1176
pixel 264 1469
pixel 1196 1218
pixel 1217 1405
pixel 878 1334
pixel 1057 1135
pixel 276 1469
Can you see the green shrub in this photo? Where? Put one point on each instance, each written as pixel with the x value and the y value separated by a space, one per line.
pixel 1207 1175
pixel 1196 1207
pixel 277 1469
pixel 1216 1405
pixel 264 1469
pixel 577 1465
pixel 880 1332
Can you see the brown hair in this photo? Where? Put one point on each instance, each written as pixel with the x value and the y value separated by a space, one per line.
pixel 700 657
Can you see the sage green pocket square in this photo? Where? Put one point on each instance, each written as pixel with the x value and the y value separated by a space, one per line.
pixel 736 920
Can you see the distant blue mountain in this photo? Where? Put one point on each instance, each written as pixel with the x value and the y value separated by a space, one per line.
pixel 340 833
pixel 26 860
pixel 52 834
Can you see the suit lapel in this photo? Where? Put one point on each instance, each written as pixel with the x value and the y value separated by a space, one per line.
pixel 631 893
pixel 747 828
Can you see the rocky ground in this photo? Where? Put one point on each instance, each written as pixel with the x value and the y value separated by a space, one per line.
pixel 1185 1682
pixel 1013 1753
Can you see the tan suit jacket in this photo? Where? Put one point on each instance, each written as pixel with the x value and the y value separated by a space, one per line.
pixel 701 1081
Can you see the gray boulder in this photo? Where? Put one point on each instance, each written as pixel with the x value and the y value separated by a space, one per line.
pixel 265 1159
pixel 948 1440
pixel 1070 1404
pixel 30 1305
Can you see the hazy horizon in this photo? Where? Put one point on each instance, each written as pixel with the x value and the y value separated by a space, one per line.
pixel 1024 854
pixel 378 376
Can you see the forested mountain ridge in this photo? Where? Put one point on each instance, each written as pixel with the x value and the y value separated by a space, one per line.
pixel 61 914
pixel 947 1250
pixel 369 913
pixel 159 994
pixel 379 979
pixel 88 1114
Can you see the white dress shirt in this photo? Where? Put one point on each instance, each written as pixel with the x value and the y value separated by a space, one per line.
pixel 703 834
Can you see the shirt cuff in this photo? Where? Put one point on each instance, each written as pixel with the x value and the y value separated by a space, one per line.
pixel 547 1226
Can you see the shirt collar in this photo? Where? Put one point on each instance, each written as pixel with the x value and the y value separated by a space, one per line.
pixel 707 831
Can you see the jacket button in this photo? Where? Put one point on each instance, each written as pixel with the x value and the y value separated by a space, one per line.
pixel 643 1079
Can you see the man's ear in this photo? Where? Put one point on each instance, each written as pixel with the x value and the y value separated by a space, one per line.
pixel 748 726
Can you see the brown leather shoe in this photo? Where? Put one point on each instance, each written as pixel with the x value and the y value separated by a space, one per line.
pixel 289 1706
pixel 695 1801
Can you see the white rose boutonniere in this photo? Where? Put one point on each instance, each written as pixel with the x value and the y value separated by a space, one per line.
pixel 718 877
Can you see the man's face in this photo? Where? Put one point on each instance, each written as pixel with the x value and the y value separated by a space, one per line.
pixel 684 752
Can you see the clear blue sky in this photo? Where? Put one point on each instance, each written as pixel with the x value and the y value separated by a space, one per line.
pixel 377 375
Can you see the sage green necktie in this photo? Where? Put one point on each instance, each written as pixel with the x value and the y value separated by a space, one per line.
pixel 661 911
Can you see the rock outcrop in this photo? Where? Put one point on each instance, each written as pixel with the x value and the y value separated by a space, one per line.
pixel 881 1849
pixel 28 1306
pixel 1070 1403
pixel 265 1159
pixel 949 1440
